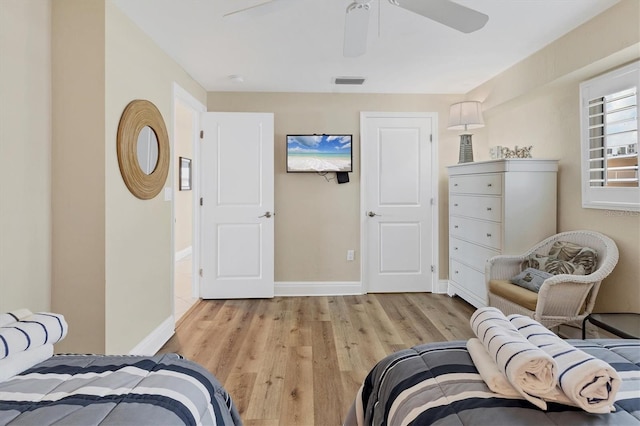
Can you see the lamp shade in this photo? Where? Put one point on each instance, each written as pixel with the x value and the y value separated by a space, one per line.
pixel 466 115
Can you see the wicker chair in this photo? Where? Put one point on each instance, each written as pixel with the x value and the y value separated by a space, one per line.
pixel 562 298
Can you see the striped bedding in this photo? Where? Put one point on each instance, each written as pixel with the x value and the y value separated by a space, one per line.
pixel 437 383
pixel 115 390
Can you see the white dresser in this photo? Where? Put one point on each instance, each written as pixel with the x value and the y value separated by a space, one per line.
pixel 496 207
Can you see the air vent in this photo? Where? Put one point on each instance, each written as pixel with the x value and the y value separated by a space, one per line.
pixel 356 81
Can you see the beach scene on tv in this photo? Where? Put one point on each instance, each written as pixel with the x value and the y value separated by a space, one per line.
pixel 318 153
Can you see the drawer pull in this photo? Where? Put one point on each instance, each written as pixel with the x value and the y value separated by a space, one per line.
pixel 489 184
pixel 455 248
pixel 455 184
pixel 455 226
pixel 457 272
pixel 489 235
pixel 455 205
pixel 488 209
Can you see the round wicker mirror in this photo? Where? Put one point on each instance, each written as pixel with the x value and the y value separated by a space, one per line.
pixel 136 116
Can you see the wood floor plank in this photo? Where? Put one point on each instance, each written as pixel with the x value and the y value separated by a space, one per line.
pixel 329 389
pixel 301 360
pixel 297 400
pixel 240 385
pixel 253 349
pixel 346 338
pixel 384 327
pixel 266 398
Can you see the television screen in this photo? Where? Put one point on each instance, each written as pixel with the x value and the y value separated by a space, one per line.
pixel 319 153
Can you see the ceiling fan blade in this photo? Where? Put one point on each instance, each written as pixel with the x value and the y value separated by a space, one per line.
pixel 356 28
pixel 446 12
pixel 259 9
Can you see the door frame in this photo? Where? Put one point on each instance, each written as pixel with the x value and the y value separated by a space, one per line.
pixel 364 168
pixel 187 99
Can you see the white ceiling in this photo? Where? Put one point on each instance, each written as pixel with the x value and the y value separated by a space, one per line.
pixel 296 45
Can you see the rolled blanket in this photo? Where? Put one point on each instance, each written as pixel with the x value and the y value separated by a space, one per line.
pixel 33 331
pixel 21 361
pixel 488 369
pixel 13 316
pixel 589 382
pixel 530 370
pixel 497 382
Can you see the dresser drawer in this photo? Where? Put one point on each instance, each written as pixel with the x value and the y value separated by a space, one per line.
pixel 488 208
pixel 469 279
pixel 476 231
pixel 471 254
pixel 488 184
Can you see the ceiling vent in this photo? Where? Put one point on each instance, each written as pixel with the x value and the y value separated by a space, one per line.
pixel 354 81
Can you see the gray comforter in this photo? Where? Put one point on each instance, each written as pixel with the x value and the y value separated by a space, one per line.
pixel 109 390
pixel 437 383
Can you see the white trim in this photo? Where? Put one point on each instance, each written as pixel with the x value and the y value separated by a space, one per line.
pixel 154 341
pixel 181 254
pixel 441 287
pixel 609 198
pixel 310 288
pixel 187 99
pixel 433 116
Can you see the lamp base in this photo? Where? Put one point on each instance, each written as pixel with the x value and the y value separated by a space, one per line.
pixel 466 149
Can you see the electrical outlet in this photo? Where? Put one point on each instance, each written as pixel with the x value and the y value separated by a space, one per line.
pixel 350 255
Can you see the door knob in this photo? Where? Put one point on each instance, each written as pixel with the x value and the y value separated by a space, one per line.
pixel 372 214
pixel 267 215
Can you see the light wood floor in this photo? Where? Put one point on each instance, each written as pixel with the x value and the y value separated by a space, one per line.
pixel 300 360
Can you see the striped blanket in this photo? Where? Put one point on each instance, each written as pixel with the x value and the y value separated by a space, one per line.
pixel 116 390
pixel 437 383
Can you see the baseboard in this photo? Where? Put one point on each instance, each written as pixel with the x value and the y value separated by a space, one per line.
pixel 154 341
pixel 309 288
pixel 183 253
pixel 441 287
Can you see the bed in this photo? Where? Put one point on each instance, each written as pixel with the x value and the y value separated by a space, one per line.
pixel 437 383
pixel 108 390
pixel 39 388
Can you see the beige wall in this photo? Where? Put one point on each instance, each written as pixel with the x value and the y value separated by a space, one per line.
pixel 78 255
pixel 25 153
pixel 536 102
pixel 318 221
pixel 184 117
pixel 112 252
pixel 139 244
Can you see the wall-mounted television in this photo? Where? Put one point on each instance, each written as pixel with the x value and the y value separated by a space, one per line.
pixel 319 153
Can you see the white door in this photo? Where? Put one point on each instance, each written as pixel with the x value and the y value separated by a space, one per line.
pixel 237 224
pixel 398 214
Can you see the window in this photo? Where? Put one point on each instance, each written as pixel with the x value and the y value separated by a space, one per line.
pixel 609 137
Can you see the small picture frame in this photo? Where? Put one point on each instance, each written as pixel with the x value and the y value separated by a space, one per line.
pixel 185 174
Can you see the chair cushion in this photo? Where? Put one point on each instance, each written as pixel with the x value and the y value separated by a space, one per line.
pixel 514 293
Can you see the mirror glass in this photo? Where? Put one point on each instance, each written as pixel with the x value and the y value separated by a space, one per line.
pixel 147 150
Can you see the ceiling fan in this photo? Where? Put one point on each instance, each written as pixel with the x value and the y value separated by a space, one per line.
pixel 357 18
pixel 445 12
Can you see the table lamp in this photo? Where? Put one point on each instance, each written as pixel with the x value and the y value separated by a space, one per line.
pixel 465 116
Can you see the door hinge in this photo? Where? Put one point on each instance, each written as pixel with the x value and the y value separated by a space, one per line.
pixel 433 201
pixel 433 269
pixel 431 137
pixel 201 201
pixel 201 134
pixel 200 272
